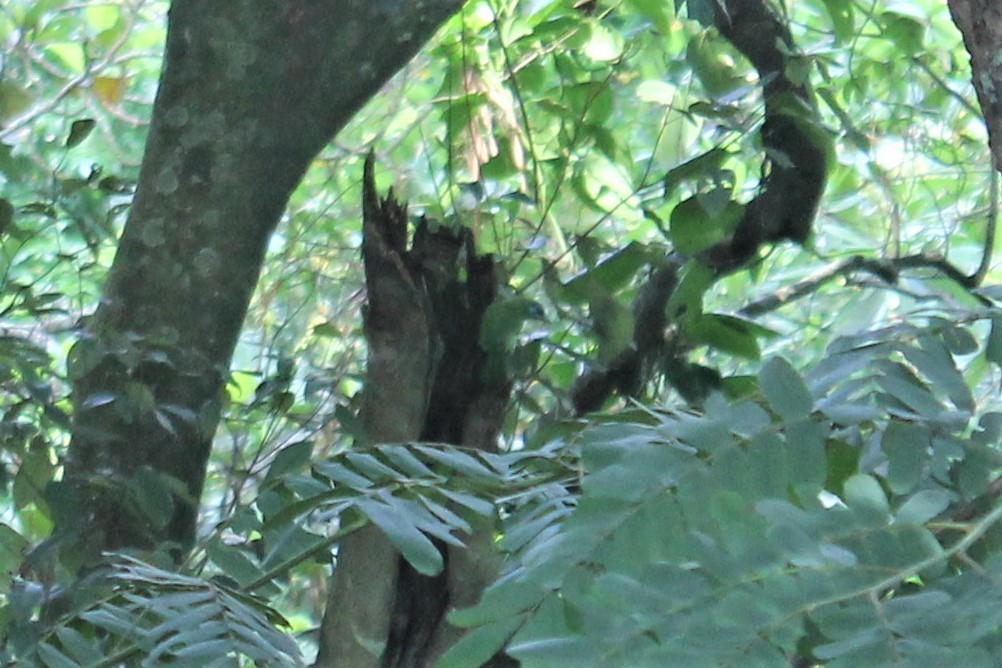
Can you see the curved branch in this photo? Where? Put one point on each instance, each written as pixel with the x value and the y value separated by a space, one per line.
pixel 796 146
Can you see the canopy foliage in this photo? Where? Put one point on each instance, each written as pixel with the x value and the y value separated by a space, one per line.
pixel 800 463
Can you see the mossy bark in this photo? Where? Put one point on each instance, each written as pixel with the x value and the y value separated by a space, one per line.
pixel 251 91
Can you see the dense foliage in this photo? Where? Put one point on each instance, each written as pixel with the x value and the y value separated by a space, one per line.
pixel 824 491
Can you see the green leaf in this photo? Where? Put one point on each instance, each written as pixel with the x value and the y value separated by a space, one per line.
pixel 610 275
pixel 498 602
pixel 458 461
pixel 503 321
pixel 53 658
pixel 700 167
pixel 153 496
pixel 863 492
pixel 35 472
pixel 924 506
pixel 709 54
pixel 841 14
pixel 293 457
pixel 993 347
pixel 907 32
pixel 327 329
pixel 933 359
pixel 958 339
pixel 687 300
pixel 475 648
pixel 233 561
pixel 15 99
pixel 603 44
pixel 415 547
pixel 726 333
pixel 83 650
pixel 806 459
pixel 899 381
pixel 695 228
pixel 658 12
pixel 784 389
pixel 79 130
pixel 906 445
pixel 12 548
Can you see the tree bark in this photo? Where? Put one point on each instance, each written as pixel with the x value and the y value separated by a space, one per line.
pixel 980 22
pixel 251 90
pixel 425 380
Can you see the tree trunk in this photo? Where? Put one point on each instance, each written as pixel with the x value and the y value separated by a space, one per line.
pixel 251 90
pixel 425 380
pixel 980 22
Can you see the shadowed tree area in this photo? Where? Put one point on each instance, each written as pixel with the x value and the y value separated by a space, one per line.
pixel 430 333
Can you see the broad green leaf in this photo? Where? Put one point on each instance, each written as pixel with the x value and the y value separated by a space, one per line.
pixel 958 339
pixel 554 651
pixel 784 389
pixel 864 493
pixel 476 504
pixel 694 228
pixel 370 466
pixel 907 32
pixel 35 472
pixel 152 494
pixel 68 55
pixel 725 333
pixel 293 457
pixel 805 451
pixel 401 457
pixel 698 10
pixel 924 506
pixel 906 446
pixel 711 61
pixel 612 274
pixel 841 14
pixel 687 300
pixel 12 548
pixel 339 473
pixel 234 561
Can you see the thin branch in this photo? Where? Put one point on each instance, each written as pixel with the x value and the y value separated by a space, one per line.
pixel 886 270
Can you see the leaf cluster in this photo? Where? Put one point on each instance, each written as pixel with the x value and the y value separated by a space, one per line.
pixel 846 516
